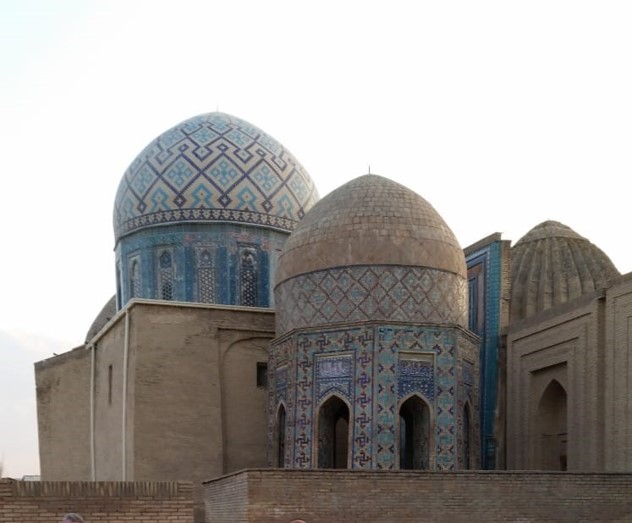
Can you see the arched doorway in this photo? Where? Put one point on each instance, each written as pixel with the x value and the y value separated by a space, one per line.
pixel 333 434
pixel 552 428
pixel 280 437
pixel 467 437
pixel 414 434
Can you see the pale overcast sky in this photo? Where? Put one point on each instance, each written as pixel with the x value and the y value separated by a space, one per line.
pixel 501 114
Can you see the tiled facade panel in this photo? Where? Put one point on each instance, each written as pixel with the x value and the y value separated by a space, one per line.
pixel 376 292
pixel 205 263
pixel 484 267
pixel 374 368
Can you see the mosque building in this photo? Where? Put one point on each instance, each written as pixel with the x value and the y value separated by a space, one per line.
pixel 256 325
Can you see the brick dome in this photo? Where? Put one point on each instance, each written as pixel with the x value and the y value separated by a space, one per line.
pixel 371 220
pixel 372 250
pixel 552 264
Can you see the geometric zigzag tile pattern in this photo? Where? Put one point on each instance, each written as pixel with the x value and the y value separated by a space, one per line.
pixel 363 365
pixel 213 168
pixel 364 293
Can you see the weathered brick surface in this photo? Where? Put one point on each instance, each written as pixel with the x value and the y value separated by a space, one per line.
pixel 258 496
pixel 98 502
pixel 563 344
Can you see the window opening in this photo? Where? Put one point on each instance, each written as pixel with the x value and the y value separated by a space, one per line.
pixel 134 280
pixel 110 385
pixel 262 375
pixel 248 277
pixel 206 277
pixel 165 276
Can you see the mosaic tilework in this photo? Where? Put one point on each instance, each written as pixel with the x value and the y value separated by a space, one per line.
pixel 373 368
pixel 415 376
pixel 362 293
pixel 468 392
pixel 385 410
pixel 211 263
pixel 213 167
pixel 484 276
pixel 446 416
pixel 281 380
pixel 333 374
pixel 280 392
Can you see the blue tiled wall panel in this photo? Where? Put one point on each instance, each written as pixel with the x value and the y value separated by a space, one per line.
pixel 224 240
pixel 367 366
pixel 484 273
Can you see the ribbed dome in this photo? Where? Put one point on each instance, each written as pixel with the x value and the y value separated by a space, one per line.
pixel 213 168
pixel 107 313
pixel 371 221
pixel 552 264
pixel 371 250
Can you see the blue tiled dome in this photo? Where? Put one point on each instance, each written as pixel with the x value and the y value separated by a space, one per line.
pixel 213 168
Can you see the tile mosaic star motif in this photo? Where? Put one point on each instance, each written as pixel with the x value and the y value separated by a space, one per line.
pixel 213 167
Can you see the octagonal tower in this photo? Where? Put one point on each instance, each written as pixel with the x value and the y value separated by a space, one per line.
pixel 373 366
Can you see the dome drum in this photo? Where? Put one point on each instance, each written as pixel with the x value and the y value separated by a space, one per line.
pixel 204 263
pixel 371 293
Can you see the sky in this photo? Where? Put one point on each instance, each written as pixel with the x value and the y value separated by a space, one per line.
pixel 502 114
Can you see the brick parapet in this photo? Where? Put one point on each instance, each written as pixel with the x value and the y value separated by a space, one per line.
pixel 98 502
pixel 320 496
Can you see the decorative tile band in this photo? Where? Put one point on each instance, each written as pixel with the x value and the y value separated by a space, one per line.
pixel 362 293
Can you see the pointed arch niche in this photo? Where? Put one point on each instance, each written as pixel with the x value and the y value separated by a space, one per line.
pixel 415 434
pixel 467 436
pixel 279 437
pixel 333 434
pixel 552 428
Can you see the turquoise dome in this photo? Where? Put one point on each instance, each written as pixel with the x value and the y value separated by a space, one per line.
pixel 213 168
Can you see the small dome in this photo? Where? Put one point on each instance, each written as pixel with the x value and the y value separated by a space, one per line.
pixel 552 264
pixel 371 250
pixel 371 221
pixel 213 168
pixel 107 313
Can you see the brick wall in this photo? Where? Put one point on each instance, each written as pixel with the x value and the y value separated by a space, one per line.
pixel 258 496
pixel 101 502
pixel 565 344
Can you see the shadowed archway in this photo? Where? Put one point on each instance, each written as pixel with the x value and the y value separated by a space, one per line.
pixel 333 434
pixel 552 429
pixel 414 434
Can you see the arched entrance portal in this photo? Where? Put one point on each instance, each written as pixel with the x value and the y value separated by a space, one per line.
pixel 552 428
pixel 414 435
pixel 333 434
